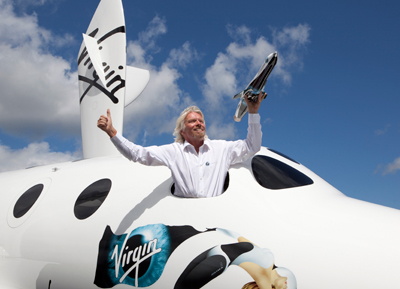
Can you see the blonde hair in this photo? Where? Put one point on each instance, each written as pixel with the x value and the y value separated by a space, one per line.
pixel 180 123
pixel 250 285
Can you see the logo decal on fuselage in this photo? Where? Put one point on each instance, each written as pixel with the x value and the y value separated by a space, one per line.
pixel 92 81
pixel 138 259
pixel 135 257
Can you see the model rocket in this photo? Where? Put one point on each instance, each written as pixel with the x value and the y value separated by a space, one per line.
pixel 255 86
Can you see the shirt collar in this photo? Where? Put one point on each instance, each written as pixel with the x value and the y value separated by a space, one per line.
pixel 205 144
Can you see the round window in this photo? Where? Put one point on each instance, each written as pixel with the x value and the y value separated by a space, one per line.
pixel 91 199
pixel 27 200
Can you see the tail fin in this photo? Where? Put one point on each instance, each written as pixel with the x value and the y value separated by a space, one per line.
pixel 103 75
pixel 136 81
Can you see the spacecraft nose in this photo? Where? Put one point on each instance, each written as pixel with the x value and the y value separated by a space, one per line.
pixel 272 57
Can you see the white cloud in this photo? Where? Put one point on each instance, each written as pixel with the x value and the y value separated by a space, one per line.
pixel 295 36
pixel 148 38
pixel 35 154
pixel 138 51
pixel 239 34
pixel 182 56
pixel 159 105
pixel 222 77
pixel 25 3
pixel 162 101
pixel 392 167
pixel 39 91
pixel 382 131
pixel 243 58
pixel 220 80
pixel 291 41
pixel 221 131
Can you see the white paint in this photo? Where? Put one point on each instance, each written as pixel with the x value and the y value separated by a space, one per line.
pixel 328 240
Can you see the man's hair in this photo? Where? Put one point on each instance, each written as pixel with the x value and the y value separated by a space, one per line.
pixel 180 123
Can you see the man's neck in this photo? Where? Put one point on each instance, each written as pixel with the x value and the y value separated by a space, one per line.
pixel 197 144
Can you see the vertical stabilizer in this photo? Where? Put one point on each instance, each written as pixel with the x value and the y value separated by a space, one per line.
pixel 136 81
pixel 102 75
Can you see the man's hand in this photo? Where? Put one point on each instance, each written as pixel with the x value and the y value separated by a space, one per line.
pixel 253 106
pixel 105 124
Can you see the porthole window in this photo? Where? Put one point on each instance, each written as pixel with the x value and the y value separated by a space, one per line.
pixel 273 174
pixel 91 199
pixel 27 200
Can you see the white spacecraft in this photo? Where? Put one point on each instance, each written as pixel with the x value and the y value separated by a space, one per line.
pixel 105 222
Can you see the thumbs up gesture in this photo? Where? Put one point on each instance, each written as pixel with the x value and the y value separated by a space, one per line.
pixel 105 124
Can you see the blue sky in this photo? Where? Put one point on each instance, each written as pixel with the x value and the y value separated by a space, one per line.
pixel 332 104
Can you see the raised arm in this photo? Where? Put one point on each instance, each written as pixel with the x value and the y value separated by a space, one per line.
pixel 243 149
pixel 105 124
pixel 151 156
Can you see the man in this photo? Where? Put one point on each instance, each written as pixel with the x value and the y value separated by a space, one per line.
pixel 198 165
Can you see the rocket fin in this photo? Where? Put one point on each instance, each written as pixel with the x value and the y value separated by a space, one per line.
pixel 241 110
pixel 102 77
pixel 240 94
pixel 136 81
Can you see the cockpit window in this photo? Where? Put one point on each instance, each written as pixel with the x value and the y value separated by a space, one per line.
pixel 27 200
pixel 91 199
pixel 273 174
pixel 283 155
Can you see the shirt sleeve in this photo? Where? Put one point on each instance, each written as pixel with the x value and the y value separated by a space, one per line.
pixel 150 156
pixel 241 150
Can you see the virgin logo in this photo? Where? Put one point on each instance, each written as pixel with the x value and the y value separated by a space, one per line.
pixel 130 260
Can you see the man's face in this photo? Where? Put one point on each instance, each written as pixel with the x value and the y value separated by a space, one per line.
pixel 195 128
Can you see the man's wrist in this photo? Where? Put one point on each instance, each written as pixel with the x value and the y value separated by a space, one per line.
pixel 112 132
pixel 252 111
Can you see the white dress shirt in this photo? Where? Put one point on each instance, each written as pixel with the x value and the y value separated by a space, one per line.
pixel 196 175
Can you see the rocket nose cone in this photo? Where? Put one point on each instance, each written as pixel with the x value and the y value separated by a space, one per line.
pixel 273 57
pixel 273 54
